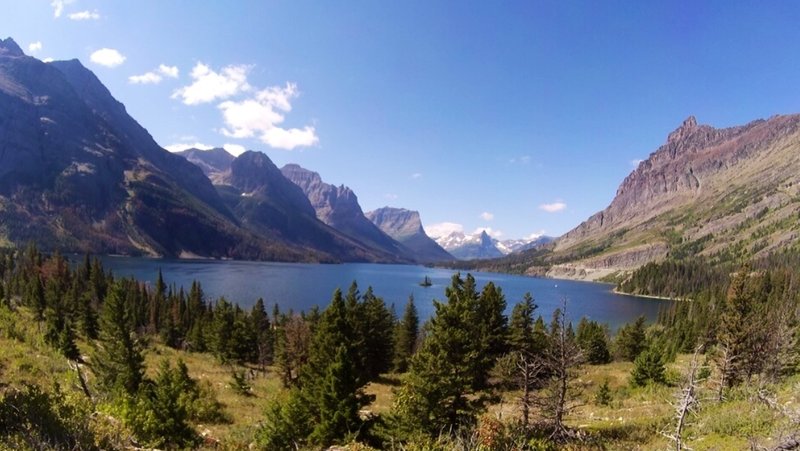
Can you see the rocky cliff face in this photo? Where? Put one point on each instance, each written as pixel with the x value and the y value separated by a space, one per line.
pixel 78 173
pixel 405 226
pixel 338 207
pixel 270 205
pixel 705 190
pixel 212 162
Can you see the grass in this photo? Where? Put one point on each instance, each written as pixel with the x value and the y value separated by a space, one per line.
pixel 634 419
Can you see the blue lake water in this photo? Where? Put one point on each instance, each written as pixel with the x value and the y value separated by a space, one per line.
pixel 301 286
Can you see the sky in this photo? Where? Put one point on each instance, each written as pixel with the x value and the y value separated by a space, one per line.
pixel 517 117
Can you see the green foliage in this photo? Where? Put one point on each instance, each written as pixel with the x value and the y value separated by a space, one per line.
pixel 631 340
pixel 406 336
pixel 593 341
pixel 648 368
pixel 239 383
pixel 32 418
pixel 286 424
pixel 603 395
pixel 441 390
pixel 117 361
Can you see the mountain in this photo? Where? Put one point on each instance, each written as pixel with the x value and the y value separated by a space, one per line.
pixel 270 205
pixel 481 246
pixel 213 161
pixel 78 173
pixel 405 226
pixel 723 193
pixel 338 207
pixel 470 247
pixel 523 244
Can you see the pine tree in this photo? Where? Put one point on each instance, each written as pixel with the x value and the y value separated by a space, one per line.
pixel 440 393
pixel 521 328
pixel 264 336
pixel 339 401
pixel 631 340
pixel 648 368
pixel 406 337
pixel 66 342
pixel 118 362
pixel 376 331
pixel 593 340
pixel 492 329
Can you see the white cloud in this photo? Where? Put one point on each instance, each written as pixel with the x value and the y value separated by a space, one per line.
pixel 259 117
pixel 486 216
pixel 534 235
pixel 155 76
pixel 390 196
pixel 85 15
pixel 48 60
pixel 416 175
pixel 107 57
pixel 553 207
pixel 178 147
pixel 489 231
pixel 635 163
pixel 145 79
pixel 443 229
pixel 58 6
pixel 209 85
pixel 234 149
pixel 168 71
pixel 34 47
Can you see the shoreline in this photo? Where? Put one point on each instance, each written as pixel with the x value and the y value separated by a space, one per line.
pixel 650 296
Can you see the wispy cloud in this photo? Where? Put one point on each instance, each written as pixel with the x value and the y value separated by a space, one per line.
pixel 210 85
pixel 486 216
pixel 84 15
pixel 58 6
pixel 635 162
pixel 443 229
pixel 155 76
pixel 553 207
pixel 525 159
pixel 34 47
pixel 534 235
pixel 107 57
pixel 416 175
pixel 390 196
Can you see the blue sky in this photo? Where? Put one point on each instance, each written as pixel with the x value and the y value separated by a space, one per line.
pixel 520 117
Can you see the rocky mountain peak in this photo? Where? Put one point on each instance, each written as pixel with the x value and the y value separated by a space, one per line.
pixel 9 47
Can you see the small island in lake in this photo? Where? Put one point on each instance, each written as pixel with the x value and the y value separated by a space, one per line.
pixel 426 282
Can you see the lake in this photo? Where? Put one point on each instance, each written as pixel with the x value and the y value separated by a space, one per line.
pixel 301 286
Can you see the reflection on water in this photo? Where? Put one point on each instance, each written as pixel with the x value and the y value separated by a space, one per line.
pixel 301 286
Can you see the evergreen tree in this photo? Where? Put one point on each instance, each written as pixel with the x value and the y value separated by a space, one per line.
pixel 648 368
pixel 406 336
pixel 593 340
pixel 376 330
pixel 492 329
pixel 222 329
pixel 521 329
pixel 339 401
pixel 118 362
pixel 631 340
pixel 263 334
pixel 439 393
pixel 66 342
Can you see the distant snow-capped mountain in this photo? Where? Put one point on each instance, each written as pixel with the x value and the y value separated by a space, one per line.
pixel 480 245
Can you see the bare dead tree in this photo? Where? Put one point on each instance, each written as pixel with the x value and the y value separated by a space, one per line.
pixel 792 440
pixel 529 371
pixel 724 360
pixel 560 361
pixel 685 403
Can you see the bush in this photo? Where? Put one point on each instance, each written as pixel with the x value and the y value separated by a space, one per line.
pixel 648 368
